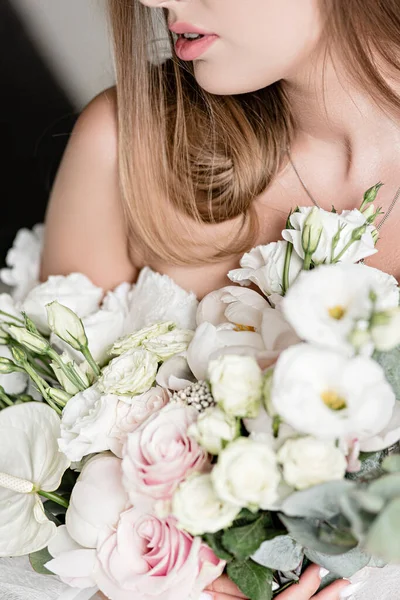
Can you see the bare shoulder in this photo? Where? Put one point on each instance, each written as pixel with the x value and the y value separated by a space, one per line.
pixel 85 228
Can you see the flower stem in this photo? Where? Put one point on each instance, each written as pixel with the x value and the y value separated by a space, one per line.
pixel 286 268
pixel 54 497
pixel 4 398
pixel 68 372
pixel 307 262
pixel 6 314
pixel 89 358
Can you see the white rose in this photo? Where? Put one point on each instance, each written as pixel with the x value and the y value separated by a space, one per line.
pixel 247 475
pixel 86 423
pixel 308 461
pixel 169 344
pixel 132 412
pixel 326 394
pixel 23 261
pixel 136 339
pixel 264 266
pixel 75 291
pixel 98 485
pixel 209 342
pixel 214 429
pixel 130 374
pixel 347 223
pixel 198 509
pixel 236 383
pixel 327 304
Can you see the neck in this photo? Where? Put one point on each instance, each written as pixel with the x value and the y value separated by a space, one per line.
pixel 328 106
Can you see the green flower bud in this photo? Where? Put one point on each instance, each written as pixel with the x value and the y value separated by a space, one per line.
pixel 7 366
pixel 370 195
pixel 312 232
pixel 66 324
pixel 19 355
pixel 59 396
pixel 32 341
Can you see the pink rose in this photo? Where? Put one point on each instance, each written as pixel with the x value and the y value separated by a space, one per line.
pixel 159 455
pixel 147 558
pixel 133 413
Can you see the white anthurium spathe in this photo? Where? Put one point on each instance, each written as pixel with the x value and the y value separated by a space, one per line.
pixel 23 261
pixel 74 291
pixel 210 341
pixel 103 327
pixel 232 304
pixel 326 305
pixel 265 265
pixel 29 462
pixel 387 437
pixel 330 396
pixel 349 222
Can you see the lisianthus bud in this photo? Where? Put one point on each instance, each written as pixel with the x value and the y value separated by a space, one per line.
pixel 385 329
pixel 66 324
pixel 76 372
pixel 214 429
pixel 7 366
pixel 19 355
pixel 59 396
pixel 358 233
pixel 236 384
pixel 370 196
pixel 31 341
pixel 312 232
pixel 369 211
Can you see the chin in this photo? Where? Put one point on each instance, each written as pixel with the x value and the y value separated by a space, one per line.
pixel 220 82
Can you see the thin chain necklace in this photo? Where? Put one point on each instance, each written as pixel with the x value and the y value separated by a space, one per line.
pixel 309 194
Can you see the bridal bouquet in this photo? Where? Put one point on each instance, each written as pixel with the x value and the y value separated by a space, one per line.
pixel 148 442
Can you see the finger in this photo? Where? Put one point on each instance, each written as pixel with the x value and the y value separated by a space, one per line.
pixel 307 586
pixel 333 591
pixel 224 585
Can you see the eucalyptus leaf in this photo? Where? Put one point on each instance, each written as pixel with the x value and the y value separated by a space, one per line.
pixel 281 553
pixel 387 487
pixel 242 542
pixel 359 518
pixel 39 559
pixel 252 579
pixel 384 537
pixel 371 466
pixel 310 534
pixel 318 502
pixel 391 464
pixel 342 565
pixel 390 362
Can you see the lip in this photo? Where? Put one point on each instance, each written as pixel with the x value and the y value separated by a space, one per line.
pixel 181 27
pixel 191 50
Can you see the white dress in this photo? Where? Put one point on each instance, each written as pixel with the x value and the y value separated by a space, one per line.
pixel 159 298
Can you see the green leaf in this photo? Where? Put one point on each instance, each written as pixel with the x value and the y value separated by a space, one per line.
pixel 281 554
pixel 387 487
pixel 39 559
pixel 384 537
pixel 391 464
pixel 247 516
pixel 242 542
pixel 252 579
pixel 342 565
pixel 214 540
pixel 314 535
pixel 318 502
pixel 389 362
pixel 360 508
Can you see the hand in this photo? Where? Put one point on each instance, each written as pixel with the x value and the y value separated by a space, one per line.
pixel 224 589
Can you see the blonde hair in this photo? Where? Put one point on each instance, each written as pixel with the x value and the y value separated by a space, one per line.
pixel 187 156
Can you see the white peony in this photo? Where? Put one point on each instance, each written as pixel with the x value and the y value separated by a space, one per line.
pixel 29 462
pixel 236 383
pixel 214 429
pixel 347 223
pixel 130 374
pixel 264 266
pixel 23 261
pixel 232 304
pixel 73 563
pixel 326 394
pixel 247 475
pixel 99 486
pixel 307 461
pixel 327 304
pixel 209 342
pixel 174 374
pixel 75 291
pixel 198 509
pixel 87 422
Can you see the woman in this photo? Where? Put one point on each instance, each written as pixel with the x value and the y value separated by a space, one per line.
pixel 190 162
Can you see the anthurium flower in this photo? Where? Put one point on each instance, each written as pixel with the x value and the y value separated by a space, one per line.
pixel 29 462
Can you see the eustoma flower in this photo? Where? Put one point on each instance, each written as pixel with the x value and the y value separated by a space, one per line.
pixel 29 464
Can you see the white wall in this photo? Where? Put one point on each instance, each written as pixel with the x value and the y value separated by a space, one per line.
pixel 72 37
